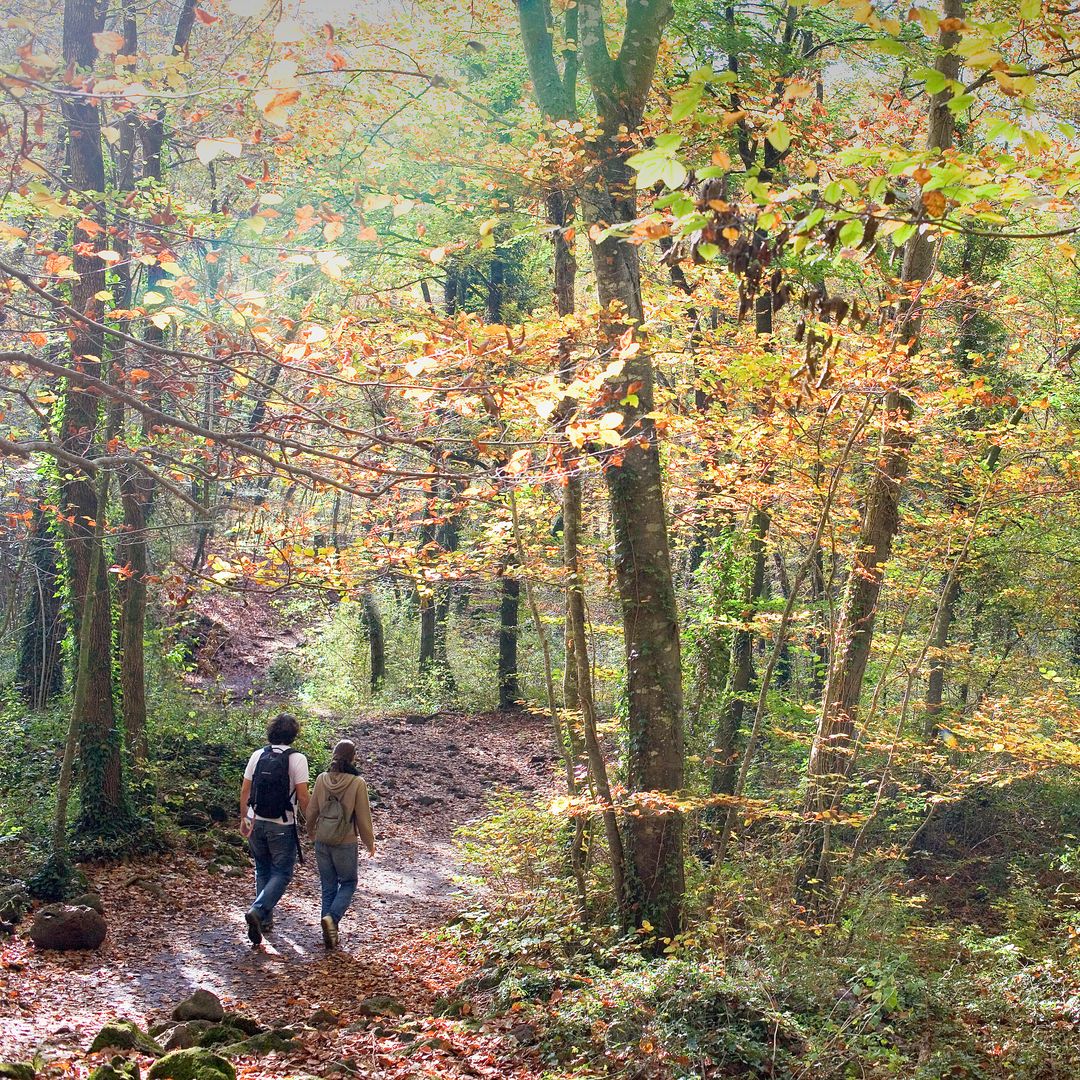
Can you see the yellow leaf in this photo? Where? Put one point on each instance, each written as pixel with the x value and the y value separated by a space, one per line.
pixel 206 150
pixel 108 42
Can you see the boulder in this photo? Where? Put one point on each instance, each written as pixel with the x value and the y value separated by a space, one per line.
pixel 381 1005
pixel 219 1035
pixel 245 1024
pixel 192 1064
pixel 15 902
pixel 117 1069
pixel 525 1034
pixel 62 926
pixel 269 1042
pixel 183 1036
pixel 124 1035
pixel 17 1070
pixel 201 1005
pixel 323 1018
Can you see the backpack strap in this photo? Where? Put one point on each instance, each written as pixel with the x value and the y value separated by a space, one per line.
pixel 289 803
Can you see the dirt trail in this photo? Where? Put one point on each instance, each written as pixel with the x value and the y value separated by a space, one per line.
pixel 180 926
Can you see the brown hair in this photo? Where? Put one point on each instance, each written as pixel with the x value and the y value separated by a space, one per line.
pixel 283 729
pixel 344 756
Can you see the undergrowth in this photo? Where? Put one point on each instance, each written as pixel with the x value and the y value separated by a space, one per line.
pixel 904 984
pixel 198 748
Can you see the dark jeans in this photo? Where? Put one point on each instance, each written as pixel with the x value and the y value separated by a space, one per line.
pixel 273 847
pixel 337 873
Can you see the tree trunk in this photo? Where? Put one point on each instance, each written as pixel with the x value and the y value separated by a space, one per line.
pixel 725 753
pixel 646 588
pixel 39 666
pixel 655 758
pixel 939 639
pixel 132 556
pixel 376 639
pixel 427 633
pixel 832 753
pixel 509 604
pixel 579 651
pixel 102 803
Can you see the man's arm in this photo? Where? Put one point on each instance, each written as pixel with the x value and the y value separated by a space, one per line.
pixel 302 797
pixel 245 795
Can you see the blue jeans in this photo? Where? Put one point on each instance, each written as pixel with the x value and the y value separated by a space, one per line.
pixel 273 847
pixel 337 874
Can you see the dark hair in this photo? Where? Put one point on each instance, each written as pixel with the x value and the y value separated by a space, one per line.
pixel 344 756
pixel 283 729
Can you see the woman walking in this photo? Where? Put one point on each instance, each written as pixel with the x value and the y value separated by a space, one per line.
pixel 338 815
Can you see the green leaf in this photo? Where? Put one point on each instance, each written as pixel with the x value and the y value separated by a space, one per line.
pixel 891 47
pixel 851 233
pixel 935 82
pixel 832 192
pixel 902 235
pixel 959 103
pixel 673 173
pixel 780 137
pixel 809 221
pixel 686 100
pixel 707 251
pixel 1030 9
pixel 667 143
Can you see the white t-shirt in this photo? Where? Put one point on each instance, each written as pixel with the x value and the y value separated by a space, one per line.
pixel 298 774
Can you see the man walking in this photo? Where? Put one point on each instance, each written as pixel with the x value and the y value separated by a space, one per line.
pixel 275 784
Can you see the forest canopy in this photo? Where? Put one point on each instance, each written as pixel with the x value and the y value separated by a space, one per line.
pixel 686 384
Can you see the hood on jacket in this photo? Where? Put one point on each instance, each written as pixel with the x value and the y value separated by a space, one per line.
pixel 338 781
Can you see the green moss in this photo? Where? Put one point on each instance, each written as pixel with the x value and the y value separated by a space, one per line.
pixel 17 1070
pixel 124 1035
pixel 266 1043
pixel 117 1069
pixel 193 1064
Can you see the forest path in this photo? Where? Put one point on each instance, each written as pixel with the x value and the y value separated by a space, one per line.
pixel 180 926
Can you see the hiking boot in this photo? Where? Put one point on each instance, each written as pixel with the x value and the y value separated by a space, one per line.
pixel 254 925
pixel 267 925
pixel 329 932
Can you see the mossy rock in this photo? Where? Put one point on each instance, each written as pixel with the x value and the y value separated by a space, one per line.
pixel 454 1007
pixel 268 1042
pixel 201 1005
pixel 117 1069
pixel 193 1064
pixel 381 1005
pixel 124 1035
pixel 17 1070
pixel 219 1035
pixel 183 1035
pixel 247 1024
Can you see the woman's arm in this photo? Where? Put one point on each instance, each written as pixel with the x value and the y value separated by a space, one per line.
pixel 311 810
pixel 362 816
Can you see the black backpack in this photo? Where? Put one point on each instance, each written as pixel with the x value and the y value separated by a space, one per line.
pixel 271 791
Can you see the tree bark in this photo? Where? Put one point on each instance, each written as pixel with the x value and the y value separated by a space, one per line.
pixel 655 756
pixel 39 667
pixel 509 604
pixel 939 639
pixel 102 801
pixel 725 754
pixel 376 640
